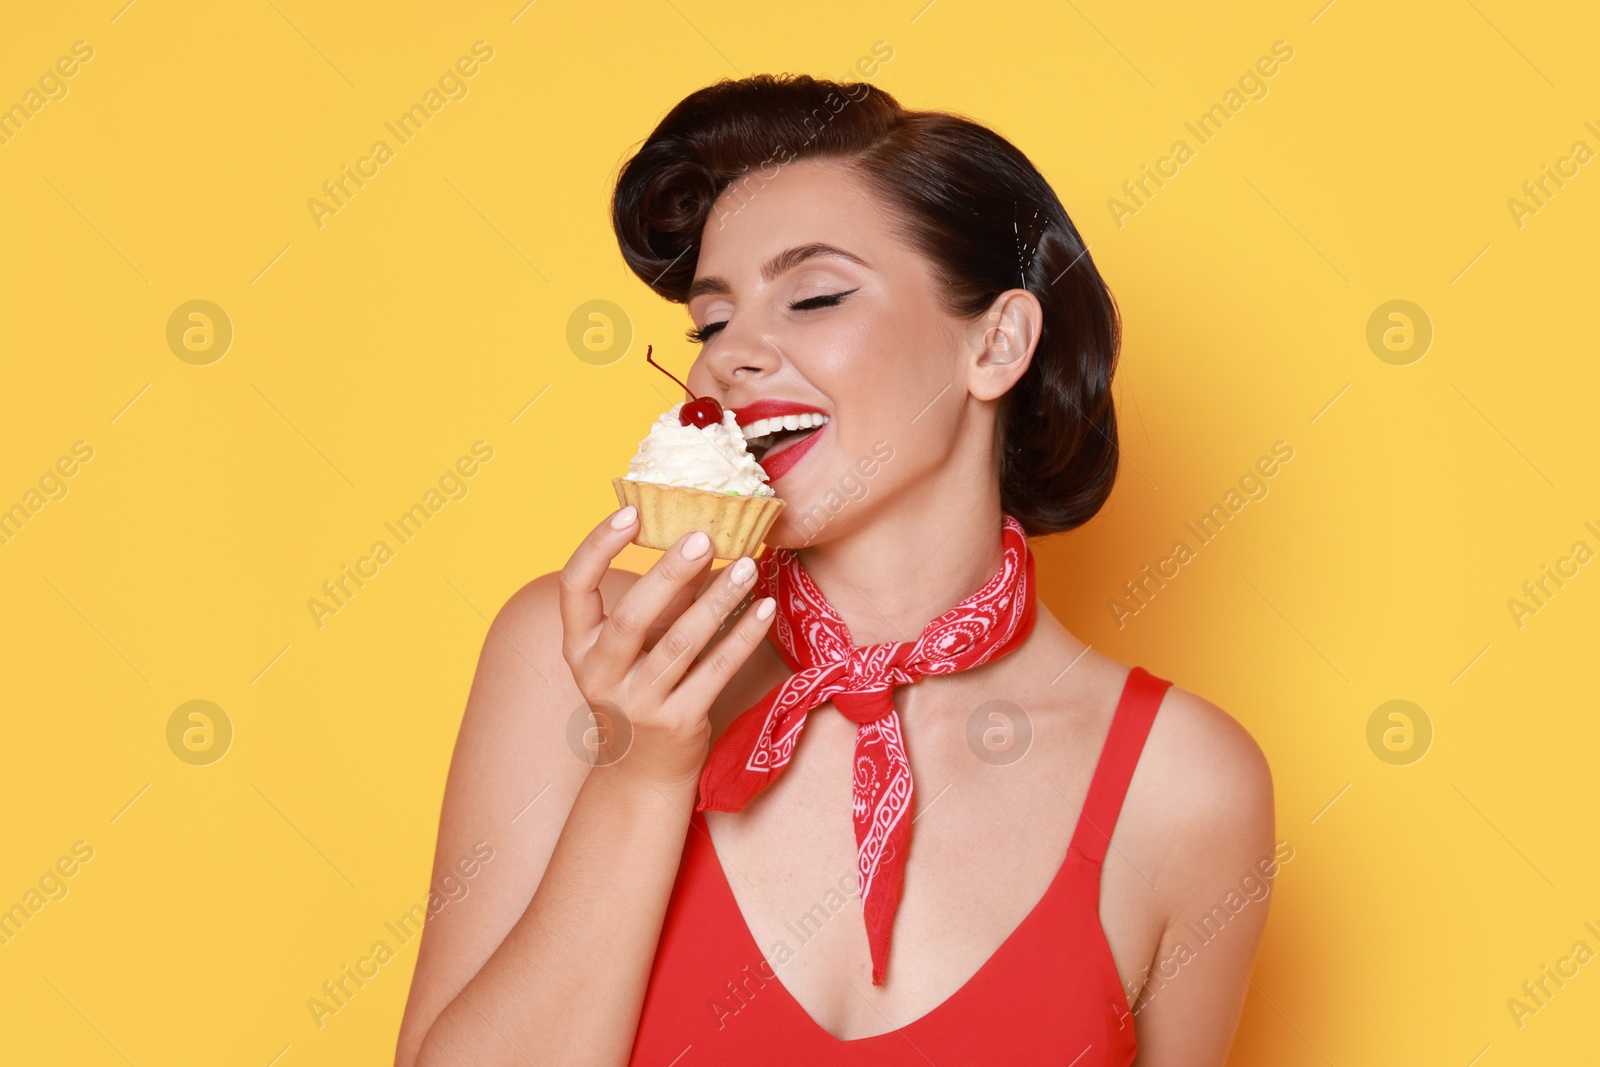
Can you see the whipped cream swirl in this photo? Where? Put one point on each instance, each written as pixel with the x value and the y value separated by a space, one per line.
pixel 698 457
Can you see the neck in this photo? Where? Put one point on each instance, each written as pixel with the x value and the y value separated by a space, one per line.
pixel 887 580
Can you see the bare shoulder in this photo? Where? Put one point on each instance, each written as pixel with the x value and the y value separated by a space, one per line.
pixel 512 780
pixel 523 687
pixel 1201 792
pixel 1209 756
pixel 522 698
pixel 511 745
pixel 1200 804
pixel 535 609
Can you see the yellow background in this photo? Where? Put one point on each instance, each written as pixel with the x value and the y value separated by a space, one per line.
pixel 370 353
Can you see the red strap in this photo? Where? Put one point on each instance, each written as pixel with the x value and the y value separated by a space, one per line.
pixel 1130 725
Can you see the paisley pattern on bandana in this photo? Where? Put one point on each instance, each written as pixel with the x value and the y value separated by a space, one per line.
pixel 860 681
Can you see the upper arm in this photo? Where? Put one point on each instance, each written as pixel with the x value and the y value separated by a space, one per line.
pixel 512 781
pixel 1218 856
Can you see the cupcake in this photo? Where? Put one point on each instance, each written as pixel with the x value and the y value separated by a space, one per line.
pixel 694 473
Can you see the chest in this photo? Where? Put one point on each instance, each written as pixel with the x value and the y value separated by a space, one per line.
pixel 989 841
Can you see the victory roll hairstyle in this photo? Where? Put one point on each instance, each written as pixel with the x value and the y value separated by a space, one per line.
pixel 969 201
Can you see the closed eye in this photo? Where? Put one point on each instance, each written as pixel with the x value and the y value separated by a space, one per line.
pixel 827 301
pixel 704 333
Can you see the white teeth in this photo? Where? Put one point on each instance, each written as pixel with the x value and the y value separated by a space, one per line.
pixel 776 424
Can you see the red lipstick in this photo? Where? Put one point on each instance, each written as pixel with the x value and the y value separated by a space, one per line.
pixel 780 464
pixel 770 407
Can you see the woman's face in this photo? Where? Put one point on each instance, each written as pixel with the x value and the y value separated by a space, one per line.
pixel 853 331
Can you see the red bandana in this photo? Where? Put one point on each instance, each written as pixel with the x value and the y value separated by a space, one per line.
pixel 860 680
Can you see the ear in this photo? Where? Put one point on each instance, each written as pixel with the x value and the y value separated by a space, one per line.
pixel 1002 343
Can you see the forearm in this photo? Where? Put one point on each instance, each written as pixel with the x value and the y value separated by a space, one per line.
pixel 567 983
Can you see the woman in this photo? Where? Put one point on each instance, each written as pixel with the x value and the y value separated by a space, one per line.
pixel 911 276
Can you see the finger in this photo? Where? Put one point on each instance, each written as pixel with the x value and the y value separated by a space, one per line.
pixel 681 601
pixel 710 675
pixel 674 653
pixel 622 634
pixel 582 611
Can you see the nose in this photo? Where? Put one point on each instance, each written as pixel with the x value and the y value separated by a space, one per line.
pixel 737 355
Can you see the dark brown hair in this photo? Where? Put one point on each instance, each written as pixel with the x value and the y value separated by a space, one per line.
pixel 970 202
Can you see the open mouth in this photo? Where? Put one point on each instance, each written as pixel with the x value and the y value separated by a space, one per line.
pixel 769 437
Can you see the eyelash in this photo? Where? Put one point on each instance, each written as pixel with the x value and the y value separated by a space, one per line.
pixel 705 333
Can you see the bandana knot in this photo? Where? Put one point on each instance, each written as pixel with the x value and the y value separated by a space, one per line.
pixel 864 708
pixel 860 681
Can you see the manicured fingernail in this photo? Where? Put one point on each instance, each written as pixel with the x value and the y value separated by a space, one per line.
pixel 743 571
pixel 765 609
pixel 624 518
pixel 696 546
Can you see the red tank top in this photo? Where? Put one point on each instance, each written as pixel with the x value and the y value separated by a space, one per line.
pixel 1049 994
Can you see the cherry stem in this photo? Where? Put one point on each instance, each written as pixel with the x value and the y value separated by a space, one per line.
pixel 663 370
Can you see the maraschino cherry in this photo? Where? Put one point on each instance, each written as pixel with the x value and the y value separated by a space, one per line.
pixel 700 412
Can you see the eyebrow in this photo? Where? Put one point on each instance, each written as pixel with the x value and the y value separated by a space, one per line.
pixel 788 259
